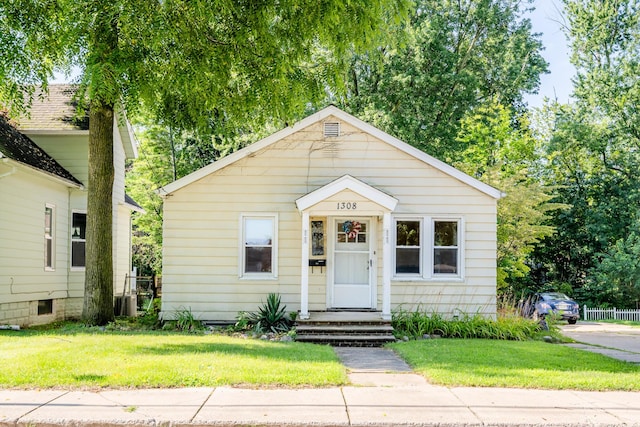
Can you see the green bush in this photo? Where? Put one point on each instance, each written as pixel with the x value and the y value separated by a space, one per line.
pixel 416 324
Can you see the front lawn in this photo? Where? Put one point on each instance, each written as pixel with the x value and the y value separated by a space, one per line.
pixel 94 358
pixel 518 364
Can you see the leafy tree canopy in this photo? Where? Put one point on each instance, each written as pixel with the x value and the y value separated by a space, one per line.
pixel 190 62
pixel 453 56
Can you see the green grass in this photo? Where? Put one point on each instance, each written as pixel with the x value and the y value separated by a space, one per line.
pixel 517 364
pixel 94 358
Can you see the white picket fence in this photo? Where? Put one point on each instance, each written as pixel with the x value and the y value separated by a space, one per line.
pixel 610 314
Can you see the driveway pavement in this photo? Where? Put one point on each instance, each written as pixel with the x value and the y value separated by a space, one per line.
pixel 613 340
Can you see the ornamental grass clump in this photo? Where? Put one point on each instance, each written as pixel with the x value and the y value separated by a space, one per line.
pixel 185 321
pixel 417 324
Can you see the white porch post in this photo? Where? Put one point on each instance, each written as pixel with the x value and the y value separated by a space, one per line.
pixel 304 274
pixel 386 266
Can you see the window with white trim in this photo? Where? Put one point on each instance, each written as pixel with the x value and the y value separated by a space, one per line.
pixel 408 249
pixel 427 247
pixel 259 246
pixel 78 241
pixel 446 258
pixel 49 237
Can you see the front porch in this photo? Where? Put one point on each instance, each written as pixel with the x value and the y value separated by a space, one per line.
pixel 350 236
pixel 345 328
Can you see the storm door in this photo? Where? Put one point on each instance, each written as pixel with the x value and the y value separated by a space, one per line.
pixel 352 263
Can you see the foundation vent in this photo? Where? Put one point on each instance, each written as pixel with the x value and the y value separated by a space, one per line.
pixel 331 129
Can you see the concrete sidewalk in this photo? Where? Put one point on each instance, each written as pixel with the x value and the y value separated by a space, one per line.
pixel 384 392
pixel 415 405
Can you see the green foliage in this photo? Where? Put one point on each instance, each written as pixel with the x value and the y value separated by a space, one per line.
pixel 594 158
pixel 451 57
pixel 270 317
pixel 502 152
pixel 189 62
pixel 416 324
pixel 185 321
pixel 594 171
pixel 615 279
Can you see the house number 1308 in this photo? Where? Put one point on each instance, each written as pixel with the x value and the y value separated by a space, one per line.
pixel 347 205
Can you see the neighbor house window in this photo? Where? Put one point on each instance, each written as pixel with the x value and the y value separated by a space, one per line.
pixel 427 247
pixel 78 242
pixel 49 237
pixel 45 306
pixel 259 246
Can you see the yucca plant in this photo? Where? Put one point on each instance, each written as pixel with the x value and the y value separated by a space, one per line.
pixel 271 316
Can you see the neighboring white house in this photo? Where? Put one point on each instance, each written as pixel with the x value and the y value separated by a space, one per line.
pixel 43 202
pixel 332 214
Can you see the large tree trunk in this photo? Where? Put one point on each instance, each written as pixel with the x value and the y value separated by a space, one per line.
pixel 98 291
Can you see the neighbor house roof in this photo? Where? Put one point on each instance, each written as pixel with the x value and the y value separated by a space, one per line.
pixel 20 148
pixel 133 205
pixel 56 112
pixel 347 118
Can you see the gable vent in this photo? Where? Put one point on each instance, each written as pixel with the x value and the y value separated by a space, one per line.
pixel 331 129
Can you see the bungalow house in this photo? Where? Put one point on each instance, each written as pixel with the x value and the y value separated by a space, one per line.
pixel 43 202
pixel 333 215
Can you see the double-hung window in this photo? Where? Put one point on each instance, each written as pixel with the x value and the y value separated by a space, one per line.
pixel 445 247
pixel 408 248
pixel 78 242
pixel 427 248
pixel 259 246
pixel 49 237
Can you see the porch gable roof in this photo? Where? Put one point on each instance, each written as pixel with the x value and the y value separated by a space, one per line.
pixel 346 182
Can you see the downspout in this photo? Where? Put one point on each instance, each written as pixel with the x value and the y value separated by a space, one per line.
pixel 11 172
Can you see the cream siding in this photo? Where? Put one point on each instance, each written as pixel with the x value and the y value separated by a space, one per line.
pixel 121 219
pixel 23 277
pixel 70 150
pixel 24 193
pixel 201 223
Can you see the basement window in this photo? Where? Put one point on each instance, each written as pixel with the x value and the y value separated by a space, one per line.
pixel 331 129
pixel 45 306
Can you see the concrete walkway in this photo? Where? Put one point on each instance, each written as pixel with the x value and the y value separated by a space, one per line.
pixel 384 393
pixel 611 339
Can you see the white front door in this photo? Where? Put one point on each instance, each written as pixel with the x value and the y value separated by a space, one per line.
pixel 352 264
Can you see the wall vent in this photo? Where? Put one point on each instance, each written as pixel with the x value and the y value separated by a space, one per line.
pixel 331 129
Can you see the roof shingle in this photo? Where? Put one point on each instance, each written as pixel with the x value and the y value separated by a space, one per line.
pixel 55 111
pixel 21 148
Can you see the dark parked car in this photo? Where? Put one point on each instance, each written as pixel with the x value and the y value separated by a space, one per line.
pixel 558 305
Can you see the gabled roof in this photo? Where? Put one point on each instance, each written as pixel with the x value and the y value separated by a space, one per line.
pixel 56 113
pixel 20 148
pixel 319 117
pixel 347 182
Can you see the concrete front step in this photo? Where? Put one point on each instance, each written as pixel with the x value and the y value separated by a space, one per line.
pixel 345 340
pixel 346 329
pixel 352 329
